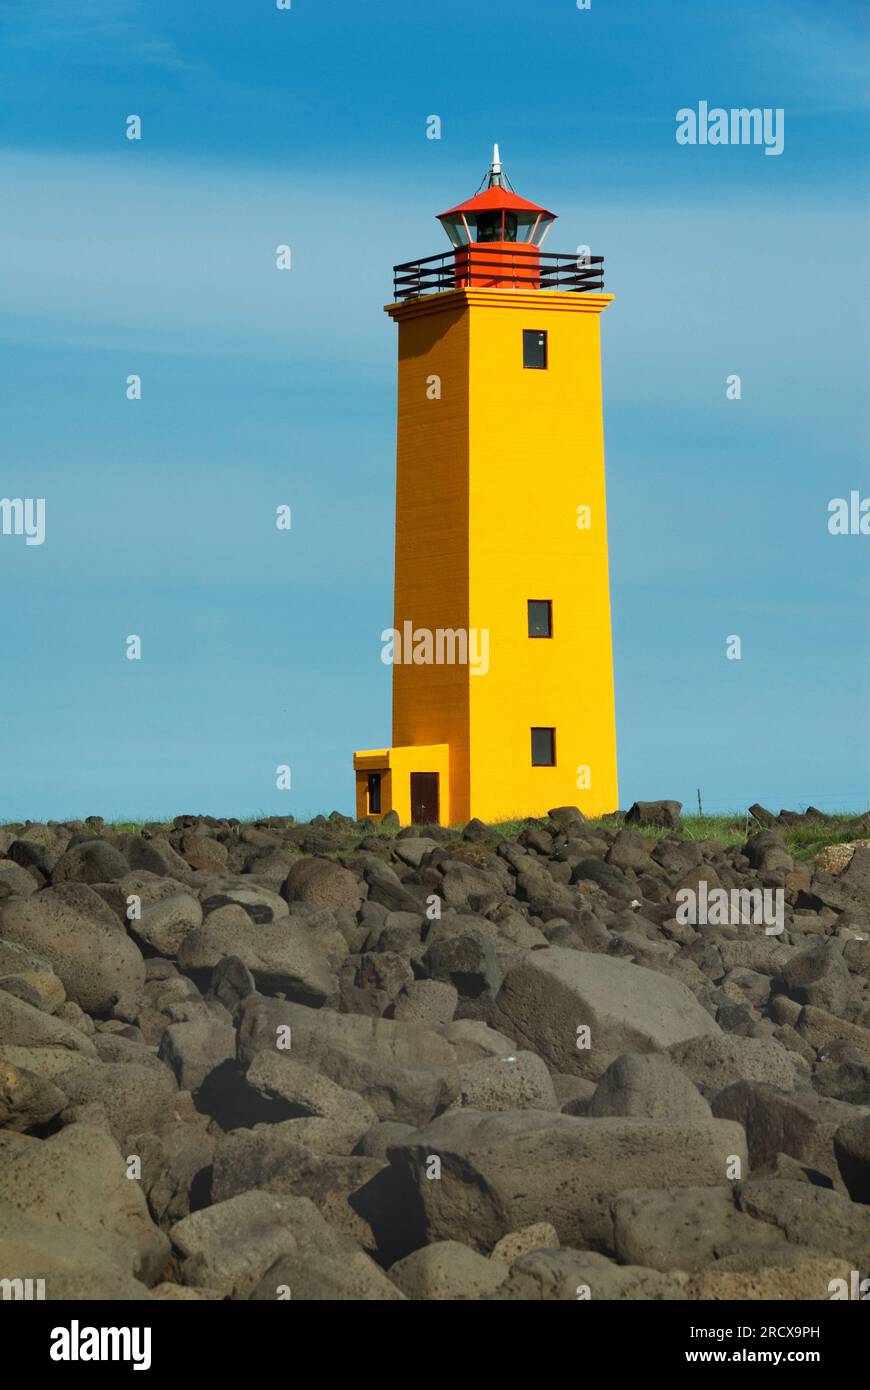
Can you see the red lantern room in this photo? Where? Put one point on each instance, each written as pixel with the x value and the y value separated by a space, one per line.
pixel 496 238
pixel 497 235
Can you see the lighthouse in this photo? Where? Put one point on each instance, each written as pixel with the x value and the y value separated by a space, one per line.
pixel 501 648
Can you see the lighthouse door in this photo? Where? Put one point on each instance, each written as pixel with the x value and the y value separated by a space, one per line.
pixel 424 798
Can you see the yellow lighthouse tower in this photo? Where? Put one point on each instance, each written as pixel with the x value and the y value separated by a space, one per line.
pixel 503 702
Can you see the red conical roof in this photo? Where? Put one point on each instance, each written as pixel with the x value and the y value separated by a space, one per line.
pixel 494 199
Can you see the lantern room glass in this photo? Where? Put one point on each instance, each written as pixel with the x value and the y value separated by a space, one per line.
pixel 497 224
pixel 456 229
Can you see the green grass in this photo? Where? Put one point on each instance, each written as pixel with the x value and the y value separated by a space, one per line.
pixel 803 841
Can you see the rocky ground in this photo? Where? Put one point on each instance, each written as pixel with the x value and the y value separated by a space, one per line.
pixel 333 1061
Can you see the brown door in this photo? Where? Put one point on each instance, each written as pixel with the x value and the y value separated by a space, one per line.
pixel 424 798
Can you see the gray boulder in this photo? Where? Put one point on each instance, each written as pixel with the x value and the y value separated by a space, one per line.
pixel 852 1152
pixel 164 924
pixel 294 1090
pixel 462 953
pixel 572 1275
pixel 71 926
pixel 518 1081
pixel 819 977
pixel 326 1266
pixel 134 1097
pixel 229 1246
pixel 176 1168
pixel 271 1158
pixel 90 861
pixel 22 1025
pixel 798 1123
pixel 27 1100
pixel 551 994
pixel 648 1087
pixel 447 1270
pixel 279 955
pixel 714 1062
pixel 321 883
pixel 427 1001
pixel 767 853
pixel 77 1180
pixel 198 1047
pixel 500 1172
pixel 404 1070
pixel 663 814
pixel 689 1229
pixel 75 1263
pixel 16 879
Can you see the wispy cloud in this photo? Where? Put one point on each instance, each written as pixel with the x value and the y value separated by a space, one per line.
pixel 98 31
pixel 825 53
pixel 181 258
pixel 125 251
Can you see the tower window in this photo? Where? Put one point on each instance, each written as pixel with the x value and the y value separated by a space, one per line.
pixel 534 349
pixel 543 747
pixel 540 617
pixel 374 793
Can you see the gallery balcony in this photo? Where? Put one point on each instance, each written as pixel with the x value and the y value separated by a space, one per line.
pixel 498 266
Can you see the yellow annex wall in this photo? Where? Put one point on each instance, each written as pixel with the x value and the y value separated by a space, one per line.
pixel 396 766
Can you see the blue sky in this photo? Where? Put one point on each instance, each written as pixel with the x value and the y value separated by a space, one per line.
pixel 308 127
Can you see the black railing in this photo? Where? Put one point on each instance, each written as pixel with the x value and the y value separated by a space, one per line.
pixel 472 266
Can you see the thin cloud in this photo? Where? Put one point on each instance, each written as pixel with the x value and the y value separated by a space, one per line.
pixel 829 55
pixel 99 30
pixel 180 257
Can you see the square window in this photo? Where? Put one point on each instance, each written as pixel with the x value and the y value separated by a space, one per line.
pixel 543 747
pixel 540 617
pixel 534 349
